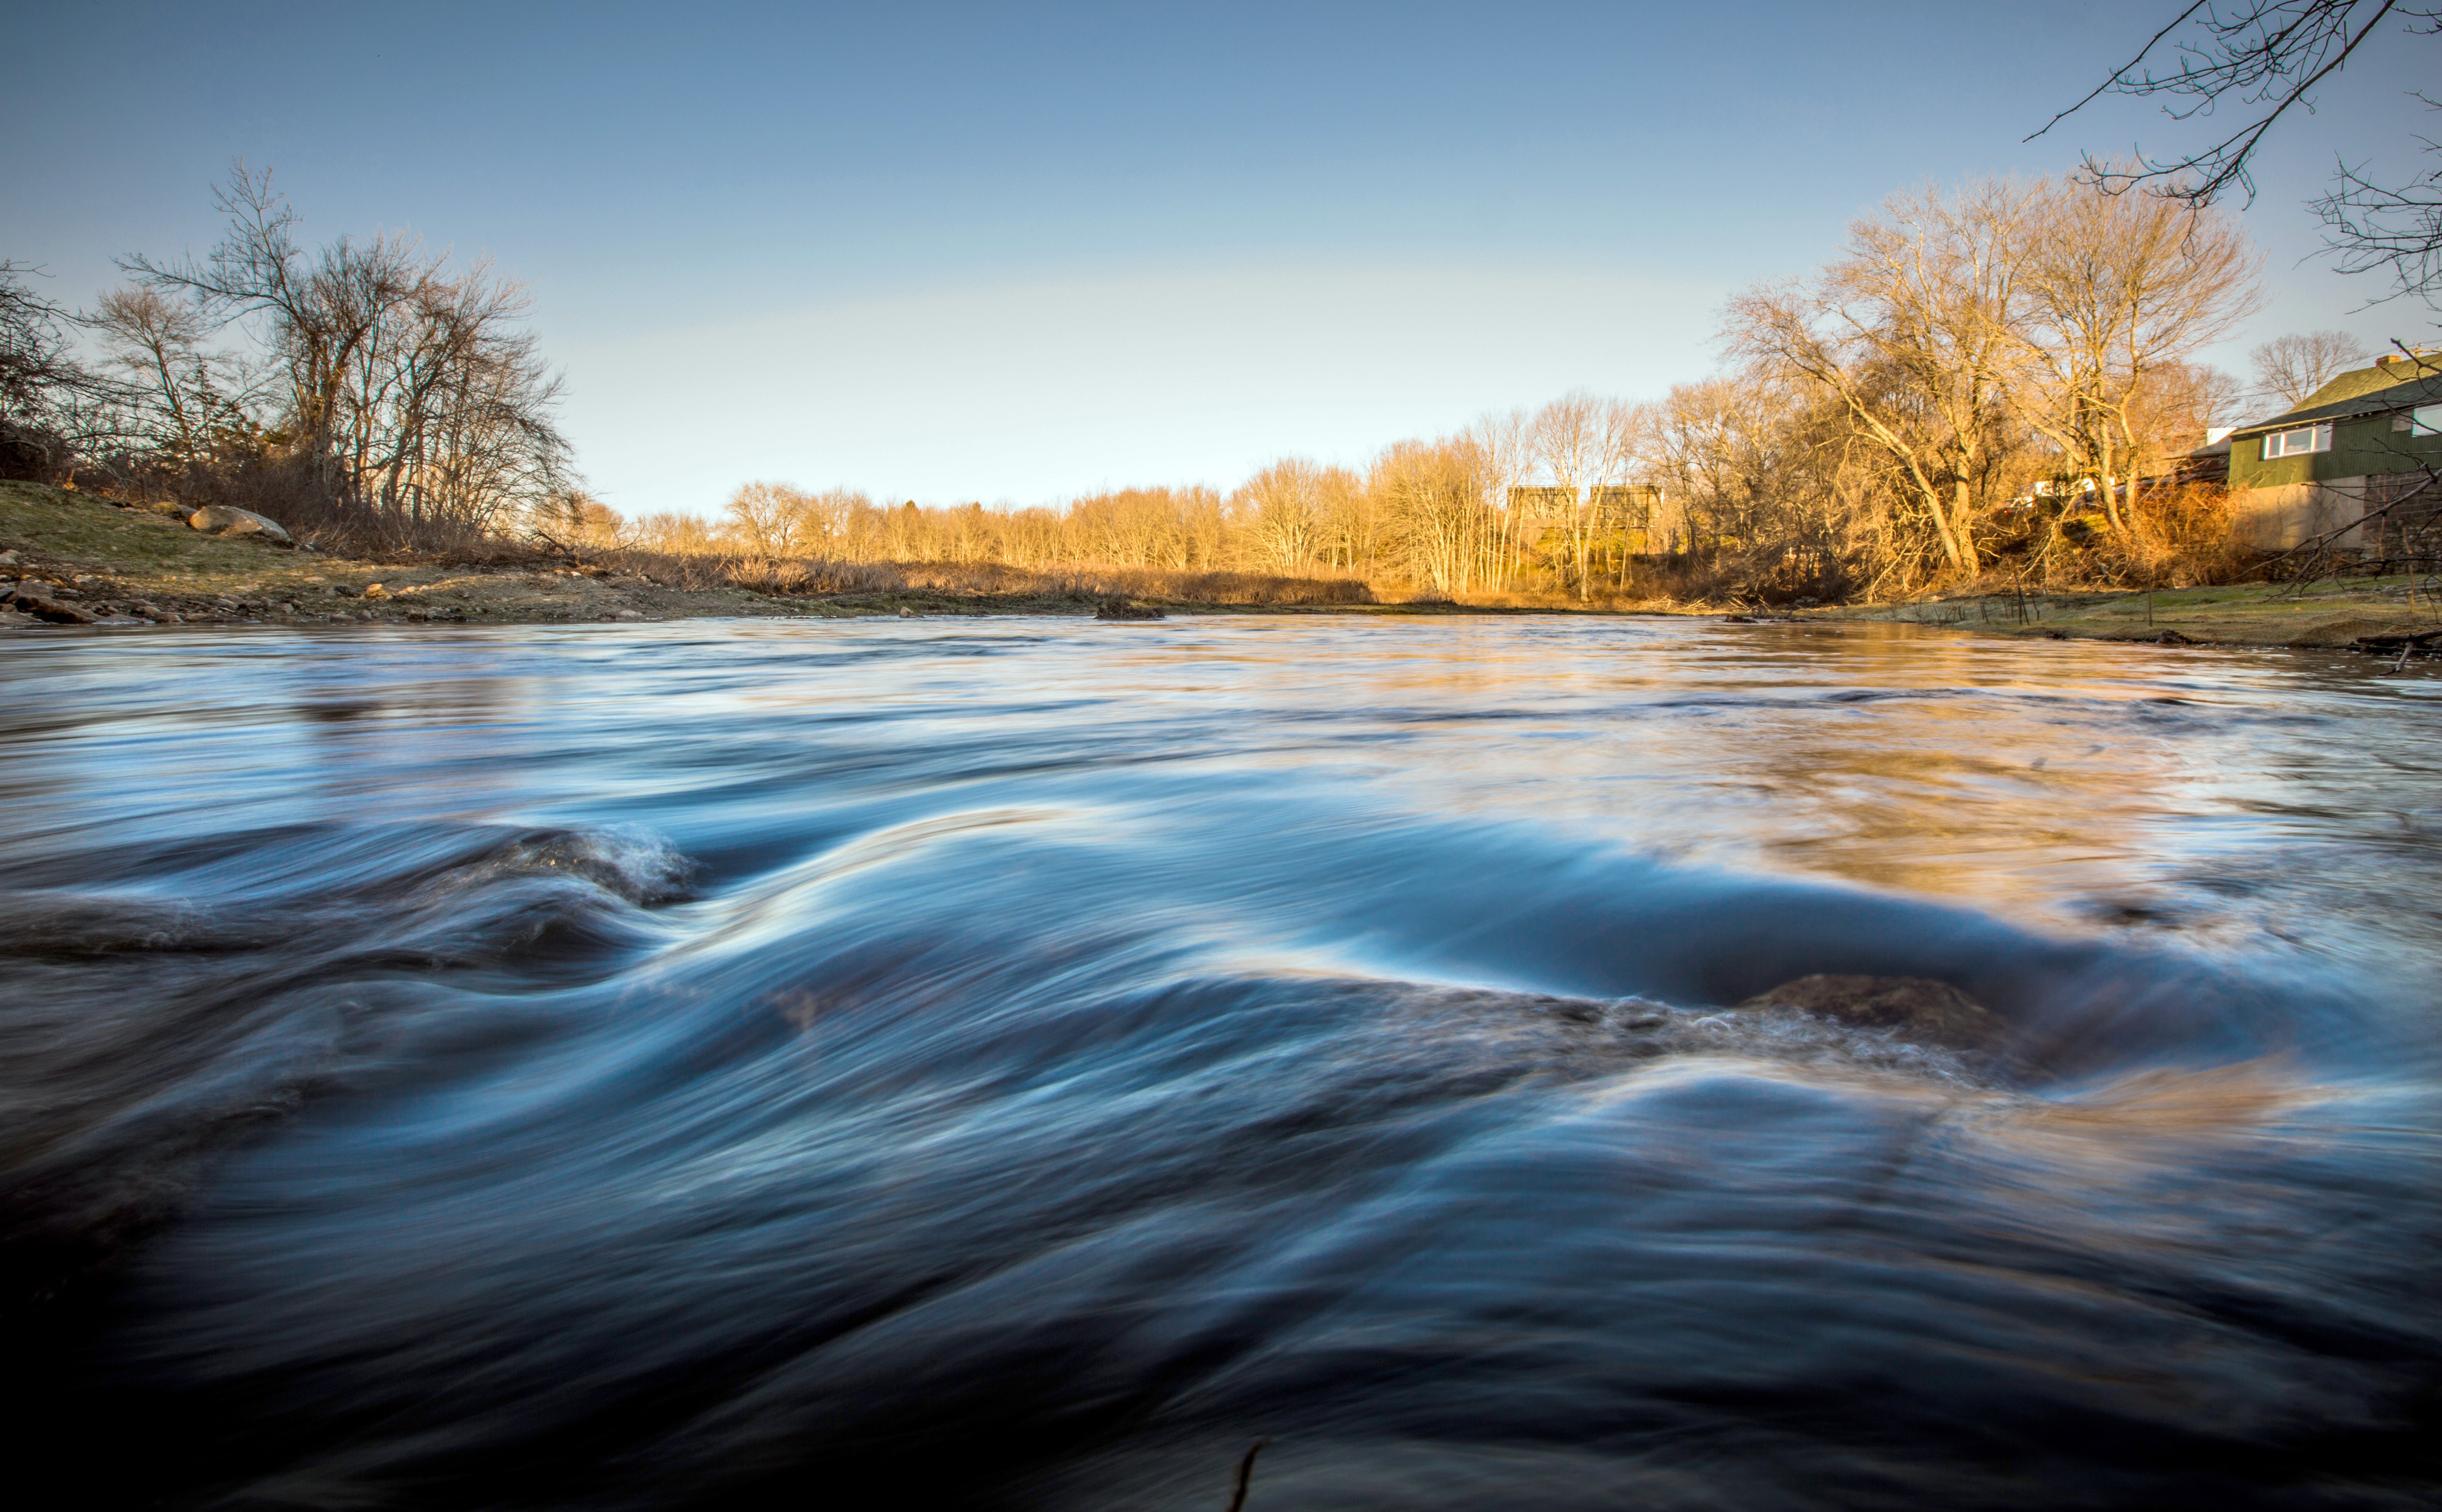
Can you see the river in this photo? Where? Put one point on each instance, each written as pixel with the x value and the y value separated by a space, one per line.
pixel 1030 1062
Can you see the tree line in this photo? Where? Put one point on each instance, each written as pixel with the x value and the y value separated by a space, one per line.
pixel 2001 377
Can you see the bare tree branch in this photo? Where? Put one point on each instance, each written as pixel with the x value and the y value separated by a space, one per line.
pixel 2272 55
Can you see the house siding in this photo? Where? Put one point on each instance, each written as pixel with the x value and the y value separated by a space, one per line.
pixel 2359 447
pixel 2276 517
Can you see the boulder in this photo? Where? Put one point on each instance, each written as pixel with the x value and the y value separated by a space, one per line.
pixel 227 519
pixel 30 599
pixel 1924 1012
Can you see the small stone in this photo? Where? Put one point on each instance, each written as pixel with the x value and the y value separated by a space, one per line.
pixel 375 591
pixel 626 615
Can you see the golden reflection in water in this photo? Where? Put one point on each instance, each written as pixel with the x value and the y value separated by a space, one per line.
pixel 2235 796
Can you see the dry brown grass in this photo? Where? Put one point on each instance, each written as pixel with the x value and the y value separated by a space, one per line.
pixel 2177 537
pixel 822 577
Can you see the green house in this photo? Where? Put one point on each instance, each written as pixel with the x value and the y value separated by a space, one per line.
pixel 2365 441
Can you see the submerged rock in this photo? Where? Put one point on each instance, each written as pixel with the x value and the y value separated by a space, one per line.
pixel 1926 1012
pixel 227 519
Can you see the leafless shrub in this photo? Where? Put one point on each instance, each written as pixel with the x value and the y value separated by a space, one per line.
pixel 398 405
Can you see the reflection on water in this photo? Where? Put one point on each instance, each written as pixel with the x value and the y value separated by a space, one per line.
pixel 1021 1063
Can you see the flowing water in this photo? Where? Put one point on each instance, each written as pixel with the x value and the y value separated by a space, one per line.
pixel 1025 1062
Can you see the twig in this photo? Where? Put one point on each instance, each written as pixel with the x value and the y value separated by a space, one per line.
pixel 1245 1474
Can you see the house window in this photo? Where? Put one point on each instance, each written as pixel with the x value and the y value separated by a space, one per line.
pixel 2297 442
pixel 2426 421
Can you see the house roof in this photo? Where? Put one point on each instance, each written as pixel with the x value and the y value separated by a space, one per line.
pixel 2368 391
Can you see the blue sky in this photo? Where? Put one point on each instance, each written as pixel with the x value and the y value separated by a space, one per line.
pixel 949 252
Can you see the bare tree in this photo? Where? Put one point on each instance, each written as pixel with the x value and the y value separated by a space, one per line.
pixel 412 393
pixel 674 534
pixel 2180 401
pixel 574 521
pixel 769 518
pixel 1912 334
pixel 2373 227
pixel 2267 58
pixel 1574 446
pixel 157 342
pixel 2115 288
pixel 1506 441
pixel 33 353
pixel 1352 520
pixel 2289 368
pixel 1281 511
pixel 1433 498
pixel 50 403
pixel 829 517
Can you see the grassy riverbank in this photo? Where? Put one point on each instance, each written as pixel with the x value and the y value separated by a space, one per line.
pixel 2329 613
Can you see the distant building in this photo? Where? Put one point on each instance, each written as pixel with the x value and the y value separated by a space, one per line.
pixel 2364 441
pixel 1542 502
pixel 1625 508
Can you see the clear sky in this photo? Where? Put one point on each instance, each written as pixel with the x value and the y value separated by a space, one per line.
pixel 1016 254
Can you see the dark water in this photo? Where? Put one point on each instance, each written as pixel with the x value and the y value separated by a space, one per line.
pixel 1022 1063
